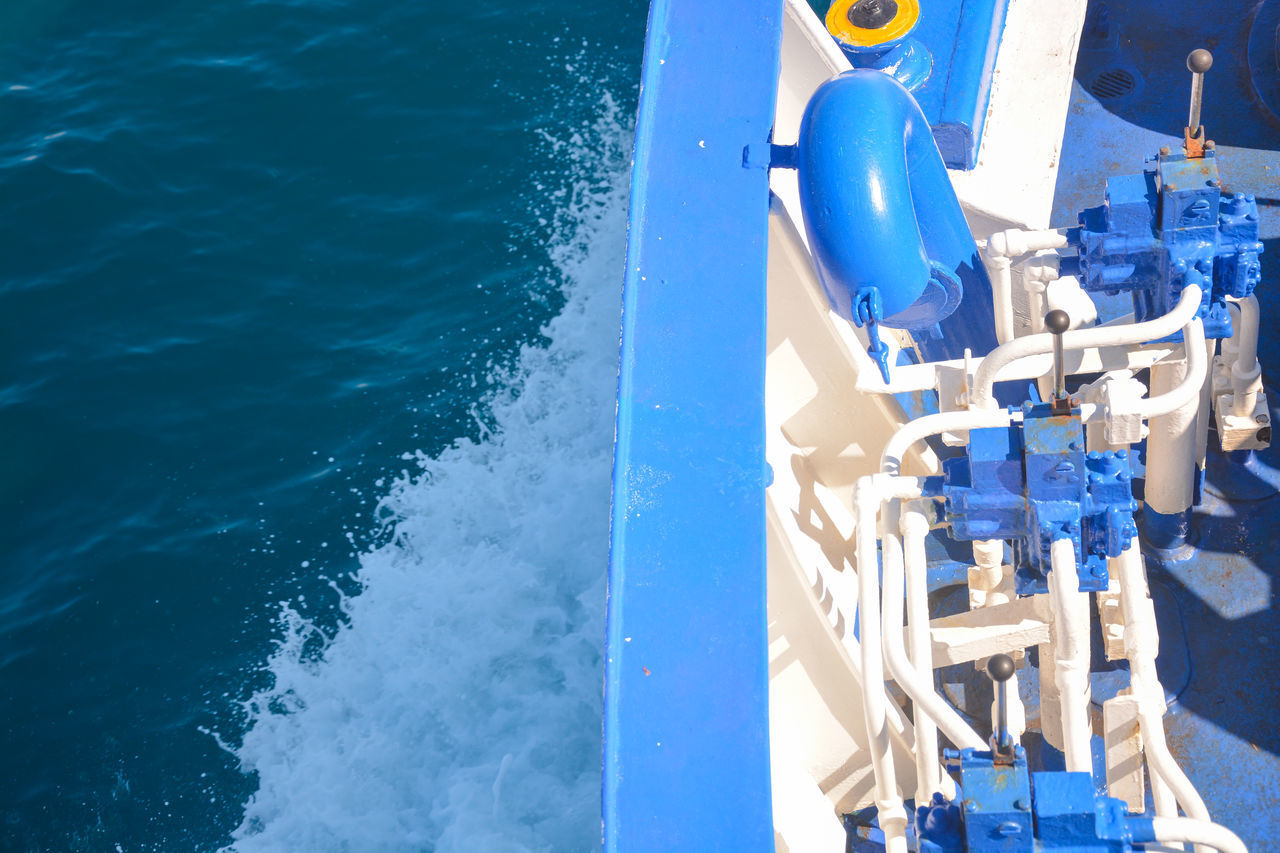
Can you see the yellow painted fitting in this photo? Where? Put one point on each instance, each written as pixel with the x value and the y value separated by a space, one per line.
pixel 839 26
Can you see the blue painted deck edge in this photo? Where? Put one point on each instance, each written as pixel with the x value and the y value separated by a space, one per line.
pixel 686 754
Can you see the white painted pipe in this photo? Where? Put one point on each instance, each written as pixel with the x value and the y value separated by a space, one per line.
pixel 1171 440
pixel 1166 804
pixel 1016 242
pixel 1037 300
pixel 988 572
pixel 1000 269
pixel 1066 293
pixel 1230 346
pixel 1050 698
pixel 1246 373
pixel 867 497
pixel 1042 270
pixel 1142 642
pixel 1199 832
pixel 1078 339
pixel 915 528
pixel 999 253
pixel 1246 332
pixel 1071 653
pixel 1192 382
pixel 1205 411
pixel 936 424
pixel 914 681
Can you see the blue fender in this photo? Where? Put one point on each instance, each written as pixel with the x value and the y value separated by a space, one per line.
pixel 883 220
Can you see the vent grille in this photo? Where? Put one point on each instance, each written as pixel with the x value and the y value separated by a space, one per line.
pixel 1114 83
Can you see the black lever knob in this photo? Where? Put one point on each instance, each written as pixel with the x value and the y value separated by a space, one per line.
pixel 1198 62
pixel 1000 668
pixel 1057 321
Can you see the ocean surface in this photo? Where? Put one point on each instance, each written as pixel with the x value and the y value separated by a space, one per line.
pixel 308 350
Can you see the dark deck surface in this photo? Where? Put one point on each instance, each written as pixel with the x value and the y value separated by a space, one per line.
pixel 1217 607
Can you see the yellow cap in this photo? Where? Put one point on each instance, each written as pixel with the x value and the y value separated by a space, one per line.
pixel 839 25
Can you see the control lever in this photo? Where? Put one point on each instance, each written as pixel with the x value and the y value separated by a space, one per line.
pixel 1057 322
pixel 1000 668
pixel 1198 62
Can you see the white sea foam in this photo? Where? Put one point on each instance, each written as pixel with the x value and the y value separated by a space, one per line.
pixel 458 708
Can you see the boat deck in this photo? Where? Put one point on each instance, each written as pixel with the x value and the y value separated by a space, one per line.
pixel 1217 605
pixel 1216 600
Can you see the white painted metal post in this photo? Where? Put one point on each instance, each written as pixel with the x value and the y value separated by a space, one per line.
pixel 1071 650
pixel 1246 373
pixel 1205 412
pixel 1050 698
pixel 1171 461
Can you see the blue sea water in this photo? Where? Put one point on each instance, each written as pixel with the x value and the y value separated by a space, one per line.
pixel 308 339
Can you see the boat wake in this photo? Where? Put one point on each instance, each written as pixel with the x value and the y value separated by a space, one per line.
pixel 458 706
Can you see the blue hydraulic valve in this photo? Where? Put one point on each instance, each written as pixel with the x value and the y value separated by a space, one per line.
pixel 1170 226
pixel 1002 807
pixel 1031 483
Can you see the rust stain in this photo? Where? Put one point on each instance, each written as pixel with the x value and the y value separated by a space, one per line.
pixel 1194 145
